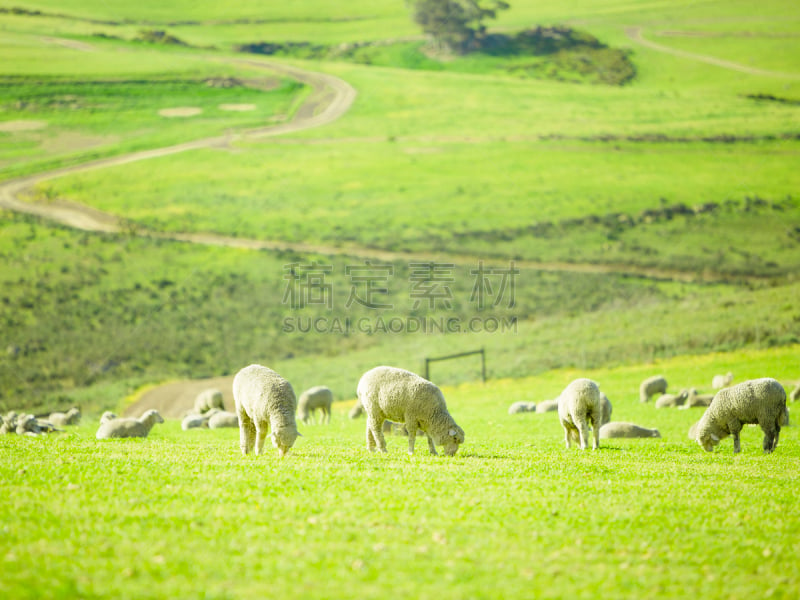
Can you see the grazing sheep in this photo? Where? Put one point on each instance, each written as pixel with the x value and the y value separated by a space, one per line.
pixel 405 397
pixel 794 395
pixel 761 401
pixel 672 400
pixel 694 399
pixel 71 417
pixel 356 411
pixel 107 416
pixel 319 397
pixel 651 386
pixel 578 405
pixel 721 381
pixel 223 419
pixel 129 427
pixel 605 403
pixel 547 406
pixel 619 429
pixel 521 407
pixel 208 399
pixel 265 405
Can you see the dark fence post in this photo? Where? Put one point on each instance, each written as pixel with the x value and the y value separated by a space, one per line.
pixel 430 359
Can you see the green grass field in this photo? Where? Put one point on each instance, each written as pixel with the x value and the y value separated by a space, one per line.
pixel 513 514
pixel 655 226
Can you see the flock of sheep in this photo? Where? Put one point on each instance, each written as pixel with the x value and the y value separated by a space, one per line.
pixel 398 400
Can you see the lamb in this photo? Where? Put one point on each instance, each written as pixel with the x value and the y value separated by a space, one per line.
pixel 71 417
pixel 129 427
pixel 222 419
pixel 721 381
pixel 521 407
pixel 656 384
pixel 319 397
pixel 694 399
pixel 208 399
pixel 672 400
pixel 547 406
pixel 405 397
pixel 619 429
pixel 265 405
pixel 761 401
pixel 605 403
pixel 578 405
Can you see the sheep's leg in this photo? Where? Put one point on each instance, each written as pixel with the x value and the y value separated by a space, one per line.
pixel 411 430
pixel 376 427
pixel 771 439
pixel 262 432
pixel 326 413
pixel 735 428
pixel 596 420
pixel 567 436
pixel 247 433
pixel 583 428
pixel 431 445
pixel 370 440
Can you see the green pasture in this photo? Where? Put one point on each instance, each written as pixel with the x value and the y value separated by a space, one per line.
pixel 513 514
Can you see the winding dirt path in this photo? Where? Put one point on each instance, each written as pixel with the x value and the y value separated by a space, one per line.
pixel 635 34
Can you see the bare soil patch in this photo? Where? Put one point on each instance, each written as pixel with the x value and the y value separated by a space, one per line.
pixel 237 107
pixel 180 111
pixel 173 400
pixel 22 125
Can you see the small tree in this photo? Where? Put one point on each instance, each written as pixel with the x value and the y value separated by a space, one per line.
pixel 455 25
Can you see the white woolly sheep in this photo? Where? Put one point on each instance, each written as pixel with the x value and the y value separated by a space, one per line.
pixel 794 395
pixel 405 397
pixel 208 399
pixel 694 399
pixel 521 407
pixel 223 419
pixel 313 399
pixel 194 421
pixel 107 416
pixel 619 429
pixel 672 400
pixel 605 404
pixel 651 386
pixel 71 417
pixel 761 401
pixel 721 381
pixel 578 406
pixel 356 411
pixel 265 405
pixel 129 427
pixel 547 406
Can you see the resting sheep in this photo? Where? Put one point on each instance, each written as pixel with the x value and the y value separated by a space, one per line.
pixel 761 401
pixel 129 427
pixel 60 419
pixel 521 407
pixel 107 416
pixel 265 405
pixel 319 397
pixel 656 384
pixel 619 429
pixel 207 400
pixel 194 421
pixel 694 399
pixel 405 397
pixel 721 381
pixel 547 406
pixel 672 400
pixel 222 419
pixel 794 395
pixel 578 406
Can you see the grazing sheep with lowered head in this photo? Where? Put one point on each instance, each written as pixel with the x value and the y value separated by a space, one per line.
pixel 129 427
pixel 619 429
pixel 656 384
pixel 207 400
pixel 721 381
pixel 315 398
pixel 265 405
pixel 578 406
pixel 405 397
pixel 356 411
pixel 761 401
pixel 521 407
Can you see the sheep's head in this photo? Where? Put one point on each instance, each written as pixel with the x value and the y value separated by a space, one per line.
pixel 152 416
pixel 451 441
pixel 283 440
pixel 706 438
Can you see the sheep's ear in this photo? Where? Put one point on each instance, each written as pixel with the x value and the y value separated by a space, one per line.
pixel 714 437
pixel 300 434
pixel 451 433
